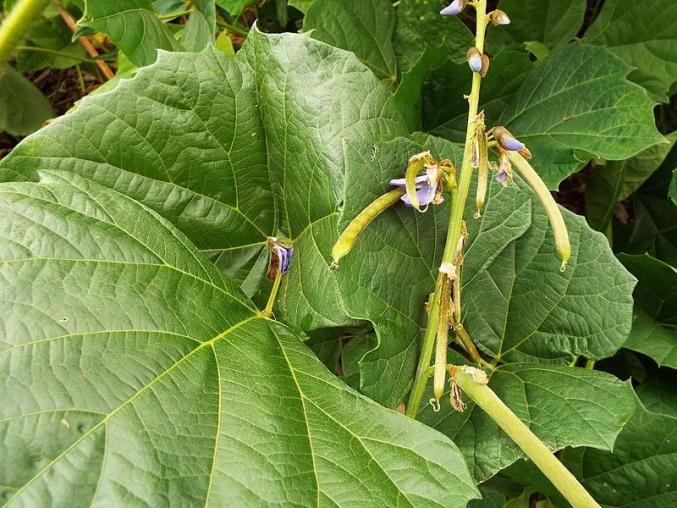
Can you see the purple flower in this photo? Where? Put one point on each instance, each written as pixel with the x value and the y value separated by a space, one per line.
pixel 284 255
pixel 280 257
pixel 504 173
pixel 474 59
pixel 507 140
pixel 425 190
pixel 453 8
pixel 475 63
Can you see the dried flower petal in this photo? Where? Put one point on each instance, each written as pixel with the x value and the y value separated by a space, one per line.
pixel 498 17
pixel 474 59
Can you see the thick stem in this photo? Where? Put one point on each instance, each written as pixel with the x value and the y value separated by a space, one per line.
pixel 460 196
pixel 16 25
pixel 560 476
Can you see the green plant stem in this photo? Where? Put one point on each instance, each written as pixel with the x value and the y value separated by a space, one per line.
pixel 15 26
pixel 232 28
pixel 268 311
pixel 47 51
pixel 533 447
pixel 590 364
pixel 459 198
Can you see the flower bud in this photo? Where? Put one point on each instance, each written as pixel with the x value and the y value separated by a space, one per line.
pixel 507 140
pixel 453 8
pixel 474 59
pixel 498 17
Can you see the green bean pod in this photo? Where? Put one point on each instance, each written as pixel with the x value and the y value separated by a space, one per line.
pixel 559 228
pixel 348 238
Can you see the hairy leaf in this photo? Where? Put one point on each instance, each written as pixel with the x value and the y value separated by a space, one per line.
pixel 643 36
pixel 551 22
pixel 133 371
pixel 365 28
pixel 23 108
pixel 563 406
pixel 654 331
pixel 132 25
pixel 641 472
pixel 576 104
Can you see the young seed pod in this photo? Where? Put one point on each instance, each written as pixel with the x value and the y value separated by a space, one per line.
pixel 482 149
pixel 559 228
pixel 442 339
pixel 347 240
pixel 474 59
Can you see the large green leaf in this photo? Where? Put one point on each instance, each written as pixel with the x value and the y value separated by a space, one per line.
pixel 365 28
pixel 644 37
pixel 616 180
pixel 551 22
pixel 642 470
pixel 563 406
pixel 132 25
pixel 219 148
pixel 576 104
pixel 134 372
pixel 520 307
pixel 654 331
pixel 23 108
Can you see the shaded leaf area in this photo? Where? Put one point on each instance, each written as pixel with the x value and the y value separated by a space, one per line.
pixel 518 306
pixel 445 112
pixel 365 28
pixel 641 472
pixel 132 25
pixel 654 330
pixel 563 406
pixel 550 22
pixel 134 371
pixel 230 150
pixel 420 28
pixel 23 108
pixel 398 42
pixel 654 229
pixel 577 104
pixel 643 36
pixel 658 392
pixel 617 180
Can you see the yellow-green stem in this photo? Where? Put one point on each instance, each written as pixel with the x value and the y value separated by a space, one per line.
pixel 16 25
pixel 533 447
pixel 459 198
pixel 268 311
